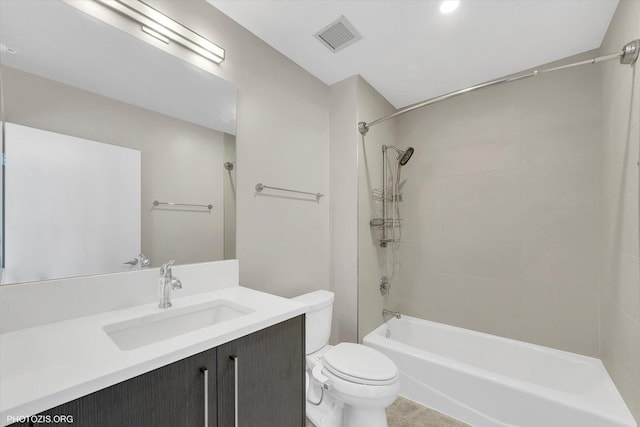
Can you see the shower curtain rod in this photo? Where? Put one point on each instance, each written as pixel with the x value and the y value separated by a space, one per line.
pixel 628 56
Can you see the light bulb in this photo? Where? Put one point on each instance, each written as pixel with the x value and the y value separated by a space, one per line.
pixel 449 6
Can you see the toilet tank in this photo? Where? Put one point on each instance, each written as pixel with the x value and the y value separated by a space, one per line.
pixel 318 319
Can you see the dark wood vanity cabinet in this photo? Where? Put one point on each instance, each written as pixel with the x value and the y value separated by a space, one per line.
pixel 169 396
pixel 270 367
pixel 270 390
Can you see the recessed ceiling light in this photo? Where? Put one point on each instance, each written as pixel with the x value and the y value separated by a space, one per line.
pixel 449 6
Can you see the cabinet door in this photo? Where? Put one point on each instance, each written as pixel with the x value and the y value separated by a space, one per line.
pixel 270 367
pixel 170 396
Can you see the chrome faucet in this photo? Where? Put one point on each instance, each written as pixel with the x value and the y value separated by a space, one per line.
pixel 388 313
pixel 167 282
pixel 144 261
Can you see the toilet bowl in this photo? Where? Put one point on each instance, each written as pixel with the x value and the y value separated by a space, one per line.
pixel 350 385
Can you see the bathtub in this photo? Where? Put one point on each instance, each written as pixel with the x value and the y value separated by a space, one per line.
pixel 485 380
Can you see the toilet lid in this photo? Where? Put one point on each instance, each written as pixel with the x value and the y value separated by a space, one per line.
pixel 360 364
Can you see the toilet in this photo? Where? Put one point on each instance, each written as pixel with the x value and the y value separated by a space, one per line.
pixel 348 385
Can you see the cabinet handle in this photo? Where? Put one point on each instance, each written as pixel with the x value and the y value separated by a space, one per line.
pixel 235 389
pixel 205 371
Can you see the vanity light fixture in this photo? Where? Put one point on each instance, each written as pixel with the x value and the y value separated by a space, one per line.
pixel 449 6
pixel 165 29
pixel 155 34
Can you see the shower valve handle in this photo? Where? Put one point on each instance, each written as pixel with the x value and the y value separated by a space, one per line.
pixel 384 285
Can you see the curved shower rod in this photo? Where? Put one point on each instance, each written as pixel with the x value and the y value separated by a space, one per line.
pixel 628 56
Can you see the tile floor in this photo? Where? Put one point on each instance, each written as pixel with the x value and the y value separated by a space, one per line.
pixel 406 413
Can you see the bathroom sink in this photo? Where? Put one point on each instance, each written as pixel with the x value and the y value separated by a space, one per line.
pixel 141 331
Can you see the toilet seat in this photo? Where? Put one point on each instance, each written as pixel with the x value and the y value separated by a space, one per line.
pixel 359 364
pixel 350 385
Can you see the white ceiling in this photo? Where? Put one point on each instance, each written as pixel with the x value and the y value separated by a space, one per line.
pixel 410 51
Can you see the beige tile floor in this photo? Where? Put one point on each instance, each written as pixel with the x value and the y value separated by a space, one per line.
pixel 406 413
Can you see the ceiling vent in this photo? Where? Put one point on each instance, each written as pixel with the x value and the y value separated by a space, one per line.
pixel 338 35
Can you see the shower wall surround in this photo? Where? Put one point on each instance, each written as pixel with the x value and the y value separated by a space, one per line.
pixel 521 210
pixel 374 261
pixel 620 261
pixel 501 211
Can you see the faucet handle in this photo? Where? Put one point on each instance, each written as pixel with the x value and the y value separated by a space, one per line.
pixel 144 261
pixel 132 261
pixel 166 267
pixel 176 283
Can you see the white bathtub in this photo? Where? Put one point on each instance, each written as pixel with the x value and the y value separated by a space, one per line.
pixel 487 380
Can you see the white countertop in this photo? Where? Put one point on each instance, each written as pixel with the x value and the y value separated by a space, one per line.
pixel 44 366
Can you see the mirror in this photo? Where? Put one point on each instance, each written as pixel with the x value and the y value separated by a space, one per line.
pixel 98 124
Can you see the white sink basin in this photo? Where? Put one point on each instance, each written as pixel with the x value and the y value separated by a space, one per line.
pixel 165 324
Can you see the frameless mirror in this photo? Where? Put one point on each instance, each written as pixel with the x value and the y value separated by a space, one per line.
pixel 112 147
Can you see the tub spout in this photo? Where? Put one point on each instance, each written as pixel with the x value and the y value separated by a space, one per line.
pixel 388 313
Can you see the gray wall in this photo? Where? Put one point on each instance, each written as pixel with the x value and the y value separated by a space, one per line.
pixel 229 189
pixel 620 262
pixel 181 162
pixel 282 140
pixel 343 151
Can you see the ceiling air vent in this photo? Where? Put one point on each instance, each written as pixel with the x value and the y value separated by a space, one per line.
pixel 338 35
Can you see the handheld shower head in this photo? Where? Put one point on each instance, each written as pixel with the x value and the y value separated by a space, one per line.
pixel 403 155
pixel 406 155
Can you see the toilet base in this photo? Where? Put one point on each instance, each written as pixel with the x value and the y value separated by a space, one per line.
pixel 328 413
pixel 369 417
pixel 346 416
pixel 325 415
pixel 333 412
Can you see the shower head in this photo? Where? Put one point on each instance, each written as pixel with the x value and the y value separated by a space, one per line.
pixel 406 155
pixel 403 155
